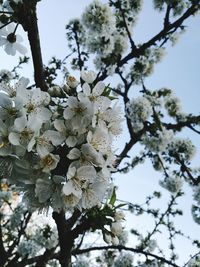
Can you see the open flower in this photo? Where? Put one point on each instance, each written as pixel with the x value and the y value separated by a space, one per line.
pixel 46 142
pixel 65 130
pixel 99 139
pixel 77 180
pixel 22 132
pixel 95 96
pixel 79 112
pixel 11 41
pixel 34 102
pixel 49 162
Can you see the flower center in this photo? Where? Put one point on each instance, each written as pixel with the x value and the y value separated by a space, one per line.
pixel 2 144
pixel 47 160
pixel 12 111
pixel 78 109
pixel 11 38
pixel 71 79
pixel 30 107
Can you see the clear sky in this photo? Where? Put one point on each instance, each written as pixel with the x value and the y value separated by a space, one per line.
pixel 178 70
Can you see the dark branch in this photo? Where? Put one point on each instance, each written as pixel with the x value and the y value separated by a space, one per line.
pixel 28 19
pixel 175 25
pixel 139 251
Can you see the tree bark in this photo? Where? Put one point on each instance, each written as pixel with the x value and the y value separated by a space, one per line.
pixel 66 240
pixel 27 17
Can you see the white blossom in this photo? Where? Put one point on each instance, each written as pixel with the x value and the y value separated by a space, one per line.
pixel 49 162
pixel 139 110
pixel 88 76
pixel 12 42
pixel 116 228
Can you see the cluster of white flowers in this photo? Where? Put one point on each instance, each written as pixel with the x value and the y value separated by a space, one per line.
pixel 172 104
pixel 139 110
pixel 46 237
pixel 34 128
pixel 82 261
pixel 194 262
pixel 28 248
pixel 5 75
pixel 159 141
pixel 144 65
pixel 177 7
pixel 173 183
pixel 104 39
pixel 180 148
pixel 98 17
pixel 124 260
pixel 130 10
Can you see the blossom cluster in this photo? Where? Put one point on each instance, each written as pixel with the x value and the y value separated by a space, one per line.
pixel 164 148
pixel 59 150
pixel 102 34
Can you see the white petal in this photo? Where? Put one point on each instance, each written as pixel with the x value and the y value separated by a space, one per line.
pixel 21 49
pixel 71 141
pixel 86 89
pixel 55 137
pixel 98 89
pixel 3 41
pixel 68 113
pixel 19 38
pixel 88 76
pixel 59 125
pixel 74 154
pixel 71 172
pixel 72 102
pixel 69 189
pixel 10 49
pixel 5 100
pixel 86 172
pixel 34 123
pixel 102 103
pixel 14 139
pixel 23 82
pixel 31 144
pixel 20 123
pixel 44 114
pixel 43 150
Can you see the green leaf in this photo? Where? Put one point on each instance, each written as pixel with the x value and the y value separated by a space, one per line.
pixel 113 197
pixel 120 205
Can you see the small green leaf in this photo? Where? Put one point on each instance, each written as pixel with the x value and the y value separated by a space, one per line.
pixel 120 206
pixel 113 197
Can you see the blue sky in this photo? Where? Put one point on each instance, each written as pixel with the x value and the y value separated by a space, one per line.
pixel 179 70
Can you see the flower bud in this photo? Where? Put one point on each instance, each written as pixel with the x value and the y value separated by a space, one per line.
pixel 54 91
pixel 107 238
pixel 72 82
pixel 119 216
pixel 116 228
pixel 88 76
pixel 115 241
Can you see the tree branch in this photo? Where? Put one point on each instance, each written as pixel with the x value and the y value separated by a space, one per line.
pixel 175 25
pixel 66 238
pixel 27 17
pixel 139 251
